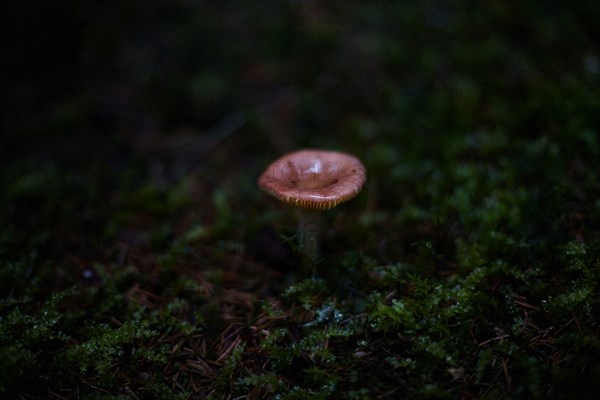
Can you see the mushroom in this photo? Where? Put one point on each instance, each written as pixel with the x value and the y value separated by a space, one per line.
pixel 313 181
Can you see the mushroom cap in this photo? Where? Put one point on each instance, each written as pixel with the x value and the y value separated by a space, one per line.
pixel 315 179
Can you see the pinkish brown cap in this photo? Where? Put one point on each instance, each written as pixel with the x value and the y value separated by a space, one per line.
pixel 314 179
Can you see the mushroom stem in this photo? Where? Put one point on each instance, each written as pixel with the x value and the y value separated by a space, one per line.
pixel 308 233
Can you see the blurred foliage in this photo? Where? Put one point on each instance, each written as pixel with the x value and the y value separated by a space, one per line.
pixel 138 259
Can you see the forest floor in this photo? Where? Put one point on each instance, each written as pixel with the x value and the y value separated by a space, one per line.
pixel 139 259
